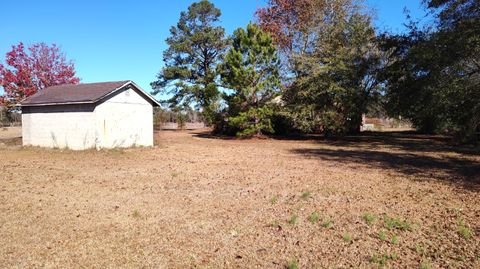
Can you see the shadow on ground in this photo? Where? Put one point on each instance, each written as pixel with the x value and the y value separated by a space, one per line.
pixel 455 170
pixel 425 157
pixel 207 134
pixel 407 140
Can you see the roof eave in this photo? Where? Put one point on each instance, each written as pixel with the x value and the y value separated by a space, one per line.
pixel 57 103
pixel 149 96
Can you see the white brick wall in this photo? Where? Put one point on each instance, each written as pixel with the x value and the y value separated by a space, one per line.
pixel 123 120
pixel 59 127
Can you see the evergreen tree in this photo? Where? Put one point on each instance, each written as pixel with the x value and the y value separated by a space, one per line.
pixel 195 47
pixel 434 71
pixel 251 69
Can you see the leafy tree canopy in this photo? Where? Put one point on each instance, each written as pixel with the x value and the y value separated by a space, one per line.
pixel 330 47
pixel 433 77
pixel 29 71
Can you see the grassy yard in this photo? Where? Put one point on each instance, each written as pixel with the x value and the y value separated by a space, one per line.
pixel 195 201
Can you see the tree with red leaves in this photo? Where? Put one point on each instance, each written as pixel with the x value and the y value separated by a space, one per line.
pixel 287 20
pixel 298 26
pixel 27 72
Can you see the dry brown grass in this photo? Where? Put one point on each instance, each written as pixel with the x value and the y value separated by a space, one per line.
pixel 7 133
pixel 200 202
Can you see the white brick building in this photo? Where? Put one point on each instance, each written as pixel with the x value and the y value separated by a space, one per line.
pixel 84 116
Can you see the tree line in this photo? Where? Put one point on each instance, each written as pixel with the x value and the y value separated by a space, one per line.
pixel 301 66
pixel 318 65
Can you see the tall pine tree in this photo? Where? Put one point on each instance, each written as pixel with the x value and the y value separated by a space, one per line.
pixel 251 70
pixel 195 46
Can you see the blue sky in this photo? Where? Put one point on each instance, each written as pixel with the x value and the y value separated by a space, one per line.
pixel 119 40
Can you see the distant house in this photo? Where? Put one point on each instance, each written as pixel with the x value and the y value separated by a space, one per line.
pixel 93 115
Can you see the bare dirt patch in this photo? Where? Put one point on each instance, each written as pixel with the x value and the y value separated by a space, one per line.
pixel 198 202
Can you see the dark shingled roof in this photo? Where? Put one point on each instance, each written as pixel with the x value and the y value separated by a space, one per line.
pixel 77 93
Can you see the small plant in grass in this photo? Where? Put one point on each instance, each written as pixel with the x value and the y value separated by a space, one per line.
pixel 396 223
pixel 425 265
pixel 274 200
pixel 419 248
pixel 463 230
pixel 327 222
pixel 314 217
pixel 382 259
pixel 394 256
pixel 293 264
pixel 306 195
pixel 368 218
pixel 394 239
pixel 347 238
pixel 382 235
pixel 293 219
pixel 136 214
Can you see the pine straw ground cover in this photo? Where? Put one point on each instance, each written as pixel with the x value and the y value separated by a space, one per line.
pixel 199 202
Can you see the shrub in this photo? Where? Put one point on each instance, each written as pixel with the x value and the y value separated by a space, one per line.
pixel 283 124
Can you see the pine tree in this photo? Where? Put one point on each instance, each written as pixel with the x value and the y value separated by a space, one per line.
pixel 195 46
pixel 251 69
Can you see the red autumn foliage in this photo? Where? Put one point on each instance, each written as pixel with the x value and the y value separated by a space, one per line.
pixel 283 19
pixel 27 72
